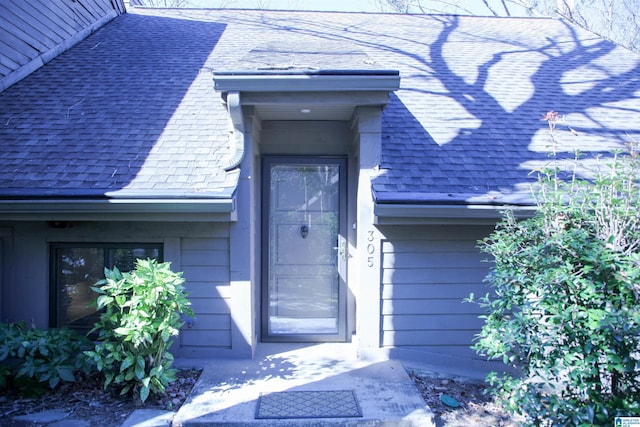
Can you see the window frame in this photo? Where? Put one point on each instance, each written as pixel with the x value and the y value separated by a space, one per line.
pixel 54 247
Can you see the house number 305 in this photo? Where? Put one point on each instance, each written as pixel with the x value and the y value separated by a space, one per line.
pixel 371 248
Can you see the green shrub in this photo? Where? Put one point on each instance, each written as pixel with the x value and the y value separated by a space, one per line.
pixel 30 358
pixel 565 311
pixel 141 316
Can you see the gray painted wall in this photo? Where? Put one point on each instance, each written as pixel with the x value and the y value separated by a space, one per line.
pixel 427 271
pixel 199 250
pixel 305 138
pixel 205 264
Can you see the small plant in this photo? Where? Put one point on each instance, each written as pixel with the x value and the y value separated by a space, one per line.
pixel 31 359
pixel 141 316
pixel 565 311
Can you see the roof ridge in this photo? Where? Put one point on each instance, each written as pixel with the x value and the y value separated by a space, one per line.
pixel 342 12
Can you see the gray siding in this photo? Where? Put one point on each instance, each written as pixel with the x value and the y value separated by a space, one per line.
pixel 199 250
pixel 205 264
pixel 427 271
pixel 34 32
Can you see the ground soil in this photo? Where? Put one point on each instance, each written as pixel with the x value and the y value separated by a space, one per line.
pixel 476 407
pixel 87 400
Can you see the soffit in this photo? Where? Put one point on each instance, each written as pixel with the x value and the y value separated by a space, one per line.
pixel 305 111
pixel 311 105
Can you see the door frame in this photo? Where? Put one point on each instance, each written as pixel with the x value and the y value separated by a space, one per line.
pixel 343 292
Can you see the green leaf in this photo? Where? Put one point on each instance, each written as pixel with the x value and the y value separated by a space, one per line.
pixel 125 389
pixel 122 331
pixel 108 378
pixel 66 373
pixel 97 289
pixel 144 393
pixel 53 381
pixel 139 371
pixel 103 301
pixel 120 300
pixel 127 362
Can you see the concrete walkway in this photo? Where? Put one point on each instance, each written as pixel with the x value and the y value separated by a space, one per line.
pixel 228 390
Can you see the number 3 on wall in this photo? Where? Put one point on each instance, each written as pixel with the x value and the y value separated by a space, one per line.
pixel 371 248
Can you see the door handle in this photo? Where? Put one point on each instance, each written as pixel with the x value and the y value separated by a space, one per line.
pixel 342 248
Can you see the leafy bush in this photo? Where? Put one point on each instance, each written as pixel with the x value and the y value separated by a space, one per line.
pixel 566 304
pixel 141 316
pixel 30 358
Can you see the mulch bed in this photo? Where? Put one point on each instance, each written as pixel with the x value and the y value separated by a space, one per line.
pixel 87 400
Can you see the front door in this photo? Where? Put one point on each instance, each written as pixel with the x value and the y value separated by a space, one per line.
pixel 304 251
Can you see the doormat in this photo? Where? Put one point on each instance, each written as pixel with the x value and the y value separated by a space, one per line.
pixel 308 404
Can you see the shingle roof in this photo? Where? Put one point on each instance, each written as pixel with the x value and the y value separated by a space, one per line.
pixel 132 107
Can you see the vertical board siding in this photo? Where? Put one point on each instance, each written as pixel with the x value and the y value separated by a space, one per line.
pixel 205 265
pixel 427 271
pixel 30 30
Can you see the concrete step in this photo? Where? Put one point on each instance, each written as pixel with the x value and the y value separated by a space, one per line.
pixel 227 392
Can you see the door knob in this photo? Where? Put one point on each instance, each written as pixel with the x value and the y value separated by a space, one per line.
pixel 304 231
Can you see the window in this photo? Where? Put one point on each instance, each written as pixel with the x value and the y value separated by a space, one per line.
pixel 77 267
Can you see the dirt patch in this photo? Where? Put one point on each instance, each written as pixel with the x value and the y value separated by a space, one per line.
pixel 475 407
pixel 86 400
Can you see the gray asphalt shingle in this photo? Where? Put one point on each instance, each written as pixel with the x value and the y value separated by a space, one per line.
pixel 119 112
pixel 132 107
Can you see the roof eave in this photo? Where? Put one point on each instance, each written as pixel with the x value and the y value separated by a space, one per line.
pixel 406 213
pixel 215 210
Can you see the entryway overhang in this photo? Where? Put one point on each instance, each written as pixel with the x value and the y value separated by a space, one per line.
pixel 304 95
pixel 299 94
pixel 307 81
pixel 259 101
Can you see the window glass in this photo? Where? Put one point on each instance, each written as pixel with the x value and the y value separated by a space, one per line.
pixel 77 268
pixel 125 259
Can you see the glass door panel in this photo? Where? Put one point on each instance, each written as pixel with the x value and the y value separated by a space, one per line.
pixel 304 284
